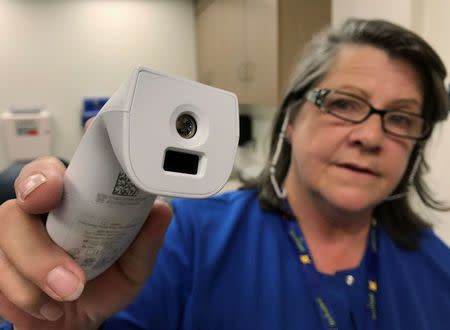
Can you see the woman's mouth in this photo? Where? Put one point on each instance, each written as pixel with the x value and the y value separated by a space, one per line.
pixel 356 168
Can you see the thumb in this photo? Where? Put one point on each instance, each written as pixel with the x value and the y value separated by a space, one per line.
pixel 39 185
pixel 147 244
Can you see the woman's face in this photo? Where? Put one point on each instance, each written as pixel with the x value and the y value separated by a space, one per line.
pixel 353 167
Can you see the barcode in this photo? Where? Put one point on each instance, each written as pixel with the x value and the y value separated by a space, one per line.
pixel 124 187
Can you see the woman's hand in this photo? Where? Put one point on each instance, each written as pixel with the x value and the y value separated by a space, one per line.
pixel 41 287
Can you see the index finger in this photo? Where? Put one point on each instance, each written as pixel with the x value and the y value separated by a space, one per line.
pixel 39 185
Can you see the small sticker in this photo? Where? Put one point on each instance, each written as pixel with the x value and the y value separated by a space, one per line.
pixel 26 127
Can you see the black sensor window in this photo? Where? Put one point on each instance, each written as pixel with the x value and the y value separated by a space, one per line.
pixel 181 162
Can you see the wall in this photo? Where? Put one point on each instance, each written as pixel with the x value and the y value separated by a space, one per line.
pixel 56 52
pixel 434 27
pixel 399 11
pixel 430 20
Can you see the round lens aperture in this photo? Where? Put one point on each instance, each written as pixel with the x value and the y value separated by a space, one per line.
pixel 186 126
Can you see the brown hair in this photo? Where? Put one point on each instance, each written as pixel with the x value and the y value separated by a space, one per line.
pixel 397 216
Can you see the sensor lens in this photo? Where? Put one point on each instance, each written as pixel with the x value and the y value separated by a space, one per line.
pixel 186 126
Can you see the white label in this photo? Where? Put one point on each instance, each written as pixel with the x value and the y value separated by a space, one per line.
pixel 103 240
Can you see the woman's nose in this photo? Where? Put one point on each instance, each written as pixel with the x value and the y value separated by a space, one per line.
pixel 369 133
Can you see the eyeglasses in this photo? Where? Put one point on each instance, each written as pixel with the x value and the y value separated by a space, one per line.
pixel 356 110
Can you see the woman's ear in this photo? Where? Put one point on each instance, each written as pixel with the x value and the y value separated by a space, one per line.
pixel 288 132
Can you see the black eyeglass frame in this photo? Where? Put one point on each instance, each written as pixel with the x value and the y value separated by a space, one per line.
pixel 317 97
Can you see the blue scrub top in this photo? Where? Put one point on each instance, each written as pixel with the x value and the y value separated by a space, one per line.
pixel 226 264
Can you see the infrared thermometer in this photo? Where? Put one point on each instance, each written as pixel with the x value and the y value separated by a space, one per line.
pixel 158 135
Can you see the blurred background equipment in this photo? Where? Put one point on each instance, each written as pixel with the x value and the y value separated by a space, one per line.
pixel 91 106
pixel 26 133
pixel 245 129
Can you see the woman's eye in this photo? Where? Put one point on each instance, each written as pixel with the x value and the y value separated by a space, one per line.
pixel 343 105
pixel 399 120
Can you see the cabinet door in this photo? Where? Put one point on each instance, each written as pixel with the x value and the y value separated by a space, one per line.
pixel 251 47
pixel 298 22
pixel 261 46
pixel 220 45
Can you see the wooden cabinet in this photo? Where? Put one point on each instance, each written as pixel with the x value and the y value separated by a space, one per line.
pixel 250 47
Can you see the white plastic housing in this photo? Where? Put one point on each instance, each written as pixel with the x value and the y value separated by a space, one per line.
pixel 117 170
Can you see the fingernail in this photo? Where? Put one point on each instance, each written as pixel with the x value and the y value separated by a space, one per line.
pixel 51 311
pixel 65 284
pixel 30 184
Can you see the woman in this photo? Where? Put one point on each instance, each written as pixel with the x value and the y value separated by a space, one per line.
pixel 324 239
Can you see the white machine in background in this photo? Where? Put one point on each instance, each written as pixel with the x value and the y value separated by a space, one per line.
pixel 26 133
